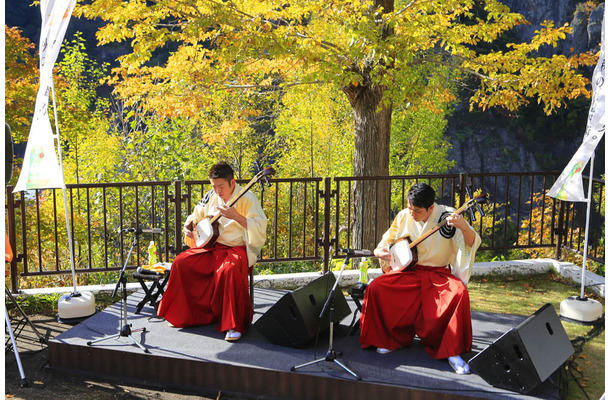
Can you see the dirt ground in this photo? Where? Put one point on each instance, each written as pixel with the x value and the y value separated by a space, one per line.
pixel 45 383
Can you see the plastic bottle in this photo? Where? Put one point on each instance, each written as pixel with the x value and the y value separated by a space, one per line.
pixel 152 253
pixel 364 275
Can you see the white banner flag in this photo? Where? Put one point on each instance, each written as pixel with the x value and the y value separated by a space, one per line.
pixel 41 168
pixel 569 184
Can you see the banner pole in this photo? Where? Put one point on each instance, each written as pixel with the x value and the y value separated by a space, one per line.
pixel 585 249
pixel 65 192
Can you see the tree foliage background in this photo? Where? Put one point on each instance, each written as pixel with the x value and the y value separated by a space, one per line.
pixel 212 72
pixel 334 88
pixel 385 56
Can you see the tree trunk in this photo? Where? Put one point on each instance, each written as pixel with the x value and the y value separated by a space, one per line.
pixel 371 159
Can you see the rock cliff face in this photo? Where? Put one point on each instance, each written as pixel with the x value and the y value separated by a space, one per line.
pixel 586 25
pixel 492 142
pixel 483 144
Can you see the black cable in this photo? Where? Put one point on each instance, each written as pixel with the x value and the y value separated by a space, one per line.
pixel 93 330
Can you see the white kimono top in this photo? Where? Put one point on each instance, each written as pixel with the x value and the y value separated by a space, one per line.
pixel 445 247
pixel 231 233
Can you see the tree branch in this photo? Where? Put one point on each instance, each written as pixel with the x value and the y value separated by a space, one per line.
pixel 405 8
pixel 274 87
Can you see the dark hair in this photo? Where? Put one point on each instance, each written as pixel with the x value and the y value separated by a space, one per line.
pixel 221 170
pixel 421 195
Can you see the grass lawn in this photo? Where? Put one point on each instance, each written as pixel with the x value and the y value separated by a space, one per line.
pixel 523 295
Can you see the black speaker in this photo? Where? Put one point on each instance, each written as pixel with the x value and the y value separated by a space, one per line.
pixel 294 320
pixel 527 355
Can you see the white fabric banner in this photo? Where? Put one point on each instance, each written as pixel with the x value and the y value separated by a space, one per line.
pixel 569 184
pixel 41 168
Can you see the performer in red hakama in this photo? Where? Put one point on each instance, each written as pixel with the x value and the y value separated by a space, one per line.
pixel 211 284
pixel 431 300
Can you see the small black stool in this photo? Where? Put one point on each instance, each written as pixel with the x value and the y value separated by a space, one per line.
pixel 357 294
pixel 156 289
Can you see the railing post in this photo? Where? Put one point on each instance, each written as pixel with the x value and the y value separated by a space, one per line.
pixel 462 187
pixel 178 217
pixel 12 236
pixel 559 231
pixel 325 241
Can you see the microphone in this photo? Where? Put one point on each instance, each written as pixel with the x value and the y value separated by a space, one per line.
pixel 357 253
pixel 151 230
pixel 143 230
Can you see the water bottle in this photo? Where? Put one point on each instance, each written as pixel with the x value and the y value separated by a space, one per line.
pixel 364 275
pixel 152 253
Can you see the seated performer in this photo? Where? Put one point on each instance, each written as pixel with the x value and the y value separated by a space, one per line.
pixel 211 284
pixel 427 301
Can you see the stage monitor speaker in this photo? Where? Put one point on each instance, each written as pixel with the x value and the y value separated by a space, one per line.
pixel 294 320
pixel 527 355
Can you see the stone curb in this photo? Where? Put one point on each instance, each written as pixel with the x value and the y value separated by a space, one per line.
pixel 350 277
pixel 524 267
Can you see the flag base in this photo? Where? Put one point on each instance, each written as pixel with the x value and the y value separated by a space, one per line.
pixel 75 306
pixel 580 310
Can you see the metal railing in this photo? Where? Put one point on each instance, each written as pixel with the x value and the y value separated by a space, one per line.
pixel 310 219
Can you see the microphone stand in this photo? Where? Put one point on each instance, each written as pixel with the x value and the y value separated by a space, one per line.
pixel 125 330
pixel 24 381
pixel 331 355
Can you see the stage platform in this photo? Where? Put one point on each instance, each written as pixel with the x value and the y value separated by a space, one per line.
pixel 198 358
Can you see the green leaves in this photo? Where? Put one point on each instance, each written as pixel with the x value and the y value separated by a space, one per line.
pixel 313 134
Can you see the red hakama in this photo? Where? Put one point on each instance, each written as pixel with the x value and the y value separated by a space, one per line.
pixel 208 285
pixel 428 302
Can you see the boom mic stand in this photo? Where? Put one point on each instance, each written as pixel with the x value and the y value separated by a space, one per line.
pixel 125 330
pixel 331 355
